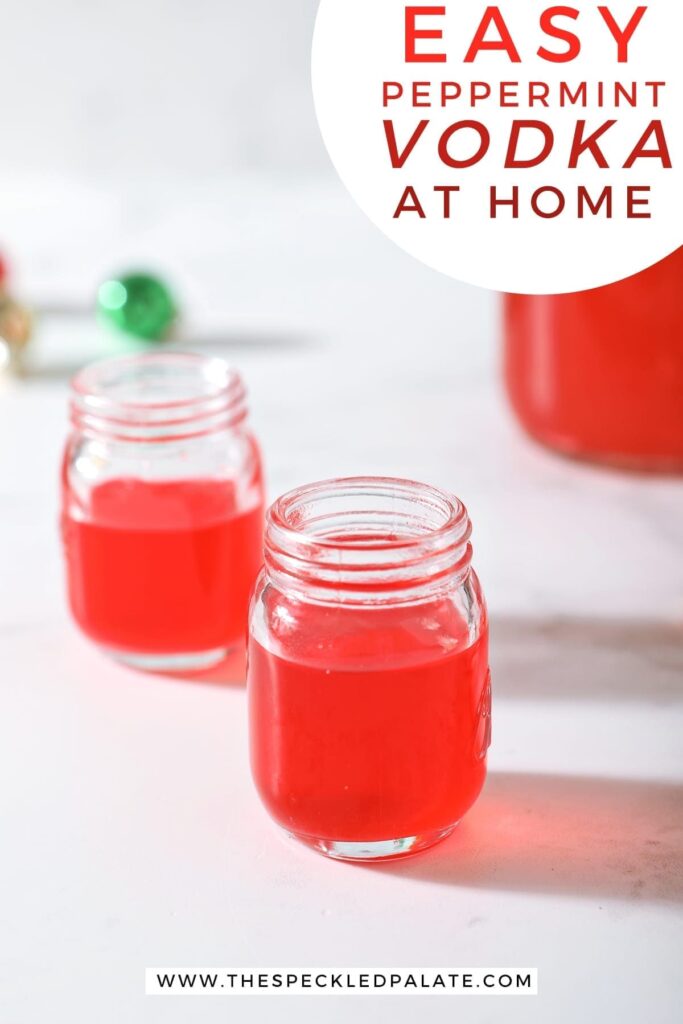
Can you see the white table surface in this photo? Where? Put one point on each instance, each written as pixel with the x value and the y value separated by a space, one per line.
pixel 131 835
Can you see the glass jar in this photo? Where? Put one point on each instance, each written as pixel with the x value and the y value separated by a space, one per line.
pixel 162 509
pixel 368 680
pixel 599 374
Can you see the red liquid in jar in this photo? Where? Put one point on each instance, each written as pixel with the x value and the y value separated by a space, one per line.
pixel 162 567
pixel 600 373
pixel 367 730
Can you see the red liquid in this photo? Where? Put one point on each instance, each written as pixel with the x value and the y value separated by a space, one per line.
pixel 162 567
pixel 367 731
pixel 600 373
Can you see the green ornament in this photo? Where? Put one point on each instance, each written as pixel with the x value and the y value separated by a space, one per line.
pixel 138 304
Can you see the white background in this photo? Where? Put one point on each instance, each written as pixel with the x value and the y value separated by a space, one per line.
pixel 129 830
pixel 145 88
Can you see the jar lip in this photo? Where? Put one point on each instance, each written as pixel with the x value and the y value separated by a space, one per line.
pixel 90 383
pixel 157 396
pixel 453 512
pixel 367 541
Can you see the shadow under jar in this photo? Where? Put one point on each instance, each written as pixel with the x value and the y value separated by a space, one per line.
pixel 162 509
pixel 368 679
pixel 599 374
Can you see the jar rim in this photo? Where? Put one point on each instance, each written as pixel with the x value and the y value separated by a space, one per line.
pixel 88 383
pixel 367 539
pixel 157 396
pixel 454 512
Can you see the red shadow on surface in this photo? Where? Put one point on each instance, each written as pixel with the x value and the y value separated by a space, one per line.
pixel 565 835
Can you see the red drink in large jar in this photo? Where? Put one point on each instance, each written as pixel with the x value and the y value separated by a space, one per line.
pixel 162 510
pixel 369 693
pixel 599 374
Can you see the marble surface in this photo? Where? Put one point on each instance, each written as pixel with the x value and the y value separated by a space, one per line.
pixel 131 835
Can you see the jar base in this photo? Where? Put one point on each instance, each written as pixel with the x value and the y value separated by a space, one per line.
pixel 381 850
pixel 643 465
pixel 195 661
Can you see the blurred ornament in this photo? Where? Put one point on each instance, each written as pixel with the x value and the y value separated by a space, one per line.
pixel 15 329
pixel 4 273
pixel 138 304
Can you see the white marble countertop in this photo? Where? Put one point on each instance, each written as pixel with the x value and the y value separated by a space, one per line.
pixel 131 835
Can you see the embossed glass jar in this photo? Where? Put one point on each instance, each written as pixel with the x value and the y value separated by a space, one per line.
pixel 368 679
pixel 162 509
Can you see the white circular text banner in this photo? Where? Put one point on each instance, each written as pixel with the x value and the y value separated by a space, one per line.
pixel 521 146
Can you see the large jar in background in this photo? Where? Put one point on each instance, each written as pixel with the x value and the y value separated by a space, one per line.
pixel 599 374
pixel 162 509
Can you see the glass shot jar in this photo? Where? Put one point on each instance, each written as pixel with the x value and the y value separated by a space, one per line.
pixel 162 509
pixel 368 680
pixel 599 374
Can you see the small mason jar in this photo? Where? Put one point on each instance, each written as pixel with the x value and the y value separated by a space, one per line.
pixel 162 509
pixel 368 680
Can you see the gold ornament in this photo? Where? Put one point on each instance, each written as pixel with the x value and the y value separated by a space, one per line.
pixel 15 332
